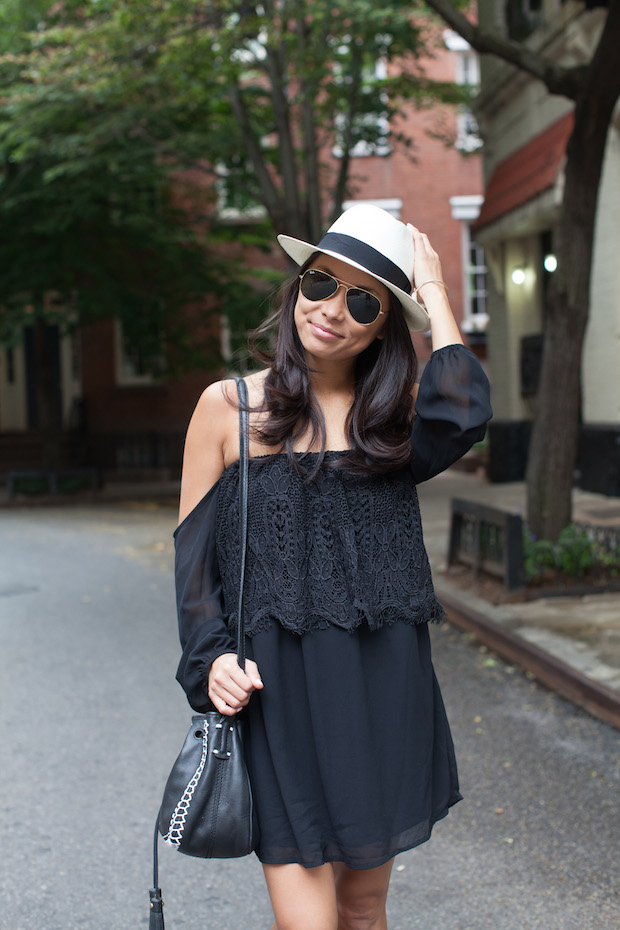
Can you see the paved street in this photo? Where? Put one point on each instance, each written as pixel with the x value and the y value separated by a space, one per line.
pixel 91 720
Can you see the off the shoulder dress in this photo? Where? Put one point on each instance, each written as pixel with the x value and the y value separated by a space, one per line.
pixel 348 744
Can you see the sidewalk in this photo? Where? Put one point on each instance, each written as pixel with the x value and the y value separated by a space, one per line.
pixel 571 643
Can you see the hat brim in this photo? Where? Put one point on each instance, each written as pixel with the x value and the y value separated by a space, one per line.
pixel 416 316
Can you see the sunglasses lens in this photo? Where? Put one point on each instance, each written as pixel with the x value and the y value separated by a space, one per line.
pixel 363 306
pixel 316 285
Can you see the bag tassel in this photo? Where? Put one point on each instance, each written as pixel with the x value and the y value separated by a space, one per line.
pixel 156 917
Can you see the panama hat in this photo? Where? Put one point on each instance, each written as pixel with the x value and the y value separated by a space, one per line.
pixel 370 239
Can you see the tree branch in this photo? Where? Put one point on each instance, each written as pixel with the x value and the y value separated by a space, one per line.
pixel 567 82
pixel 269 192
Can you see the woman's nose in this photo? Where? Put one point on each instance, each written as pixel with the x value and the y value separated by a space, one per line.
pixel 336 304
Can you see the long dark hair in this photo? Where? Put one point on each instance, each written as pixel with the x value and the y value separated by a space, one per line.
pixel 378 425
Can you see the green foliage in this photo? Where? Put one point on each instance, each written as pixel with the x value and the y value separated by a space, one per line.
pixel 575 552
pixel 89 226
pixel 250 298
pixel 126 124
pixel 31 485
pixel 578 553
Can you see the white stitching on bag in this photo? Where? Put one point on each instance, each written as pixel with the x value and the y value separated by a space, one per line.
pixel 177 822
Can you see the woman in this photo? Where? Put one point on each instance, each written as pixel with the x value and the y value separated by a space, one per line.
pixel 348 746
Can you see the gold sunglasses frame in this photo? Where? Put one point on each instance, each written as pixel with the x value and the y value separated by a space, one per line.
pixel 347 287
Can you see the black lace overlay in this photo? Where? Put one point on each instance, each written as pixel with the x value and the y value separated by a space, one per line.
pixel 343 552
pixel 339 550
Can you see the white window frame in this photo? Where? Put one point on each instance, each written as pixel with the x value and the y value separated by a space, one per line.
pixel 393 205
pixel 466 209
pixel 250 214
pixel 125 376
pixel 467 73
pixel 363 149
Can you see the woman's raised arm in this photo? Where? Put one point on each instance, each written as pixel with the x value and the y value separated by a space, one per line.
pixel 428 279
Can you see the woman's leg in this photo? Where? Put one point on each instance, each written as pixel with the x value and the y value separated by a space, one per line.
pixel 302 899
pixel 330 897
pixel 362 896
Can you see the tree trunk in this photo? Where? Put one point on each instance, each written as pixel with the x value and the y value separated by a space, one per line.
pixel 269 192
pixel 555 434
pixel 595 88
pixel 293 223
pixel 553 446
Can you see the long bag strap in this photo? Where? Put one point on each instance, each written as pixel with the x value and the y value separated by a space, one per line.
pixel 244 456
pixel 156 918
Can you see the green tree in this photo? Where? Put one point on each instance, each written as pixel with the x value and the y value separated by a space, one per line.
pixel 129 128
pixel 260 97
pixel 594 88
pixel 89 226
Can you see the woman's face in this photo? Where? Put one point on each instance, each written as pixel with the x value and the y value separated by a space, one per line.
pixel 326 328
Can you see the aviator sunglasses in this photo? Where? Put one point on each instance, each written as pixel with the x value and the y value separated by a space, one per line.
pixel 363 306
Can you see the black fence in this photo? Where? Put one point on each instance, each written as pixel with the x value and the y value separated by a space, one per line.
pixel 487 539
pixel 134 453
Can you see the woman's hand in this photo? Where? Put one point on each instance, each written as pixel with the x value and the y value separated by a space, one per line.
pixel 230 687
pixel 433 294
pixel 426 264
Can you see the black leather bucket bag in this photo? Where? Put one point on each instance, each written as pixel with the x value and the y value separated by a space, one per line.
pixel 207 808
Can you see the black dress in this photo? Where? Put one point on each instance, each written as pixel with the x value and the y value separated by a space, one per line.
pixel 348 744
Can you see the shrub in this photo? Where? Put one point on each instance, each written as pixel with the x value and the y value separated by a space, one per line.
pixel 579 552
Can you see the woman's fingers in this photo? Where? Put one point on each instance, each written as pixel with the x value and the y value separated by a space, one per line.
pixel 230 687
pixel 426 264
pixel 251 670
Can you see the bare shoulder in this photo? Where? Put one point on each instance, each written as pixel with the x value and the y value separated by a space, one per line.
pixel 212 441
pixel 204 455
pixel 255 384
pixel 212 415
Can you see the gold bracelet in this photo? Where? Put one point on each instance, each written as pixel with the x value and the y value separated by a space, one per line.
pixel 432 281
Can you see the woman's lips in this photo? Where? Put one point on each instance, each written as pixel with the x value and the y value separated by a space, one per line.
pixel 324 333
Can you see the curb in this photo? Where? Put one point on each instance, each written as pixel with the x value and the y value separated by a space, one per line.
pixel 599 701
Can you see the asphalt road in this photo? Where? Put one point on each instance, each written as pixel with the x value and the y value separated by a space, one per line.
pixel 91 720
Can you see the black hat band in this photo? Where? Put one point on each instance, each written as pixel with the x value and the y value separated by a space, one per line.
pixel 367 257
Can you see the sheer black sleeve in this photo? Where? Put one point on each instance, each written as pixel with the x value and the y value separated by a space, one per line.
pixel 202 625
pixel 452 409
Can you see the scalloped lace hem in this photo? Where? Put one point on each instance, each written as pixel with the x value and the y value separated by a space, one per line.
pixel 387 615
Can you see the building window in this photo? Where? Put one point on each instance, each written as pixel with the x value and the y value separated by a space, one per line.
pixel 466 74
pixel 523 17
pixel 467 134
pixel 393 205
pixel 476 311
pixel 373 127
pixel 138 362
pixel 466 209
pixel 233 204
